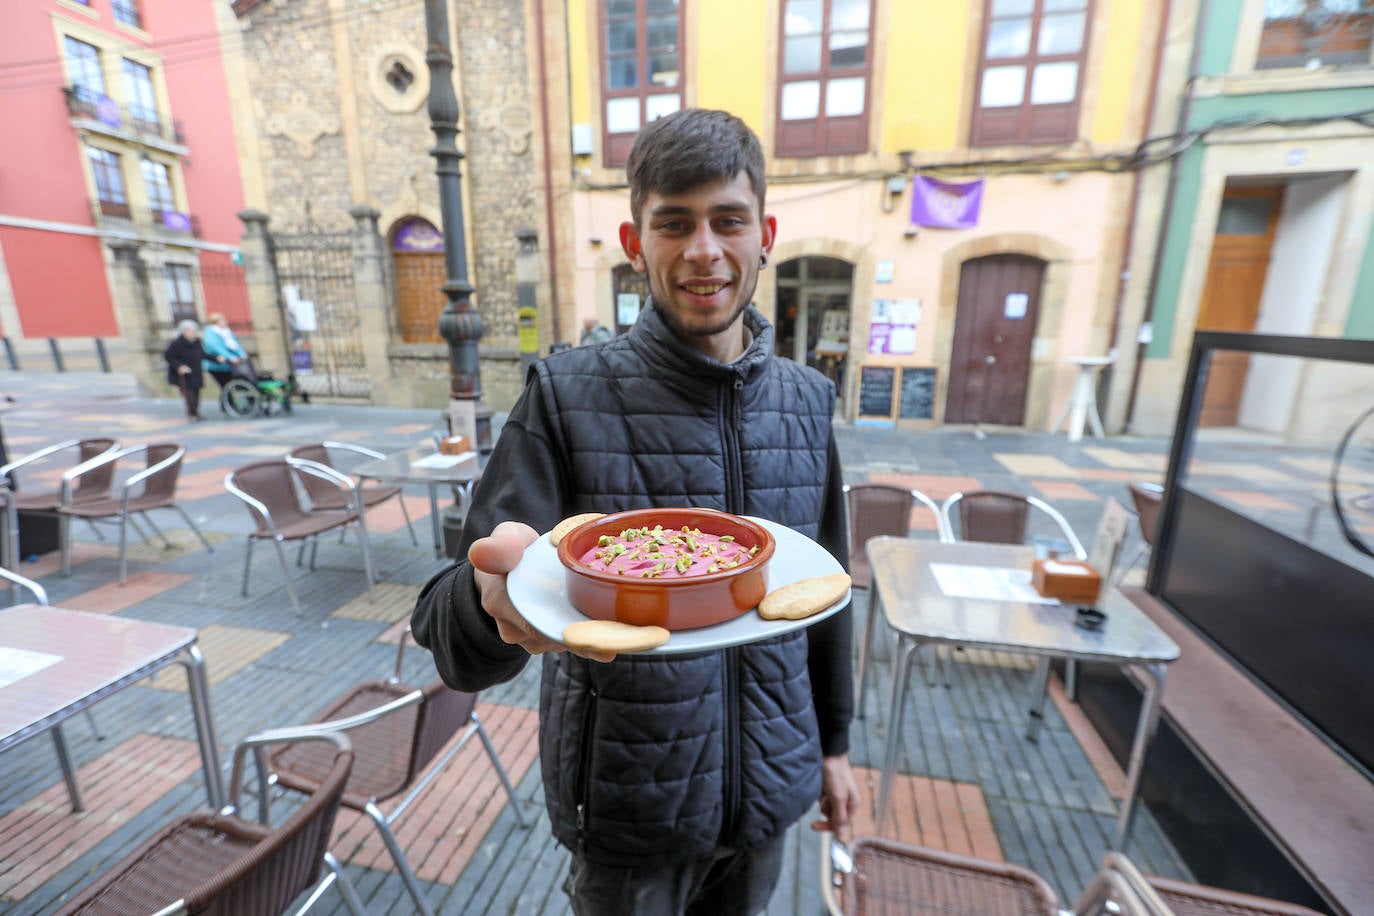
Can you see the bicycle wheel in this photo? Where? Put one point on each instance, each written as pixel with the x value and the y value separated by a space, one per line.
pixel 241 398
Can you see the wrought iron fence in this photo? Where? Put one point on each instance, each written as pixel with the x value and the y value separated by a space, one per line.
pixel 315 270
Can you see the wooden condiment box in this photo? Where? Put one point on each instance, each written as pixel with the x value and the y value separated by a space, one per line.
pixel 1071 581
pixel 454 445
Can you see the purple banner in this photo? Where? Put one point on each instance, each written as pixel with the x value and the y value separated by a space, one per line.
pixel 944 205
pixel 176 221
pixel 107 111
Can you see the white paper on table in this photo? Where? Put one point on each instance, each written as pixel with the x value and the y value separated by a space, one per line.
pixel 989 583
pixel 20 663
pixel 440 460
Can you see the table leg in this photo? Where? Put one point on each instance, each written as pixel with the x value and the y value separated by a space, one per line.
pixel 435 525
pixel 1040 683
pixel 1144 732
pixel 64 760
pixel 194 663
pixel 901 674
pixel 875 604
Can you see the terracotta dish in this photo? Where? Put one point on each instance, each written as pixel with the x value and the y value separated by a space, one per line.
pixel 682 603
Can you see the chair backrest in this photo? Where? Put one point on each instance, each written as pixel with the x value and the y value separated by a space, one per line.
pixel 442 713
pixel 40 596
pixel 1147 498
pixel 272 483
pixel 1110 536
pixel 162 485
pixel 322 493
pixel 877 509
pixel 97 484
pixel 1001 518
pixel 286 862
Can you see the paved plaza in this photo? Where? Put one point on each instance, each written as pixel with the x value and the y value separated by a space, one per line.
pixel 969 780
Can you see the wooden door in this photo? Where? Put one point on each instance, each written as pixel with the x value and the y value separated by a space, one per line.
pixel 1231 294
pixel 420 277
pixel 994 325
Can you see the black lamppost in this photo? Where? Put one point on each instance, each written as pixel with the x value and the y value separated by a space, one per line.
pixel 459 324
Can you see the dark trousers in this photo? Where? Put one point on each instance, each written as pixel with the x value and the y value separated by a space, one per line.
pixel 191 395
pixel 222 377
pixel 726 883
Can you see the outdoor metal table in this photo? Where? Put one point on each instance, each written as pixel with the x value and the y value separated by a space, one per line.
pixel 55 663
pixel 433 472
pixel 921 613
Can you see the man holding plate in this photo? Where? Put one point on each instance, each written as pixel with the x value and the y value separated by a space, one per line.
pixel 672 779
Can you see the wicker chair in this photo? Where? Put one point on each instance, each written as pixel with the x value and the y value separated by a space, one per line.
pixel 876 509
pixel 1148 499
pixel 1120 888
pixel 396 732
pixel 326 496
pixel 219 863
pixel 46 502
pixel 154 487
pixel 1001 518
pixel 274 483
pixel 879 877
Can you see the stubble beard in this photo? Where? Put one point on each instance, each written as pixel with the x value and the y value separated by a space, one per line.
pixel 683 331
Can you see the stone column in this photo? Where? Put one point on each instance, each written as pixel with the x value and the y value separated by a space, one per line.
pixel 133 302
pixel 264 294
pixel 372 293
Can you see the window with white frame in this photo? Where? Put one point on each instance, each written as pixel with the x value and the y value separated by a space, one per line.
pixel 158 182
pixel 138 91
pixel 108 172
pixel 641 66
pixel 824 77
pixel 181 291
pixel 83 70
pixel 1315 33
pixel 1030 77
pixel 126 11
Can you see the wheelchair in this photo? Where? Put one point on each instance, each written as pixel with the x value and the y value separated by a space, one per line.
pixel 253 393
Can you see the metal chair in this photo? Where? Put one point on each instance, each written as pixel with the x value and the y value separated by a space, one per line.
pixel 218 862
pixel 154 487
pixel 326 496
pixel 1002 518
pixel 880 877
pixel 1120 888
pixel 876 509
pixel 46 502
pixel 275 483
pixel 1148 499
pixel 397 731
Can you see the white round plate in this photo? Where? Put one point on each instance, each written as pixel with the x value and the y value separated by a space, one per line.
pixel 539 592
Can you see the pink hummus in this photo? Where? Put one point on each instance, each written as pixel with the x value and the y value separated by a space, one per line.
pixel 666 553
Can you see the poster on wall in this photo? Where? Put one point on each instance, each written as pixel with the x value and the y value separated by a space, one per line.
pixel 627 308
pixel 893 328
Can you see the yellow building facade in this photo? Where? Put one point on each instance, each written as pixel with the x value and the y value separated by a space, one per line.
pixel 861 106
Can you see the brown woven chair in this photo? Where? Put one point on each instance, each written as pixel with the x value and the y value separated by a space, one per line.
pixel 154 487
pixel 220 863
pixel 879 877
pixel 876 509
pixel 1148 499
pixel 1001 518
pixel 46 502
pixel 1120 888
pixel 326 496
pixel 275 484
pixel 396 732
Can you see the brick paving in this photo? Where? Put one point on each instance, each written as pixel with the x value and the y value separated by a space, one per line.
pixel 968 780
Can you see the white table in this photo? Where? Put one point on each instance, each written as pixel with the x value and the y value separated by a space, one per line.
pixel 85 658
pixel 433 472
pixel 921 613
pixel 1083 402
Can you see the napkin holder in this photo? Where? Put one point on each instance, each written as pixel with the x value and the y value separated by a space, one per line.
pixel 1071 581
pixel 454 445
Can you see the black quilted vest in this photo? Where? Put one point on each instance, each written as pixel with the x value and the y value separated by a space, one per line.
pixel 667 757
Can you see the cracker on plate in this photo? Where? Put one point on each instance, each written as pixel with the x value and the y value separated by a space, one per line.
pixel 561 530
pixel 613 636
pixel 803 598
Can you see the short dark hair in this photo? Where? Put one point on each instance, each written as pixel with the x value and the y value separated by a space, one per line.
pixel 689 148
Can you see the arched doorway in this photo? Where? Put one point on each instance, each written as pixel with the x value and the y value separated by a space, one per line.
pixel 813 296
pixel 994 327
pixel 417 251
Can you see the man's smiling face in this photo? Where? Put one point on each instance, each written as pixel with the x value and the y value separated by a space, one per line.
pixel 700 251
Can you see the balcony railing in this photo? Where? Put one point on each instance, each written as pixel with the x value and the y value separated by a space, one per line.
pixel 105 111
pixel 173 223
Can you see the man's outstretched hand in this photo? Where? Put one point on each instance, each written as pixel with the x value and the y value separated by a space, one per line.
pixel 492 558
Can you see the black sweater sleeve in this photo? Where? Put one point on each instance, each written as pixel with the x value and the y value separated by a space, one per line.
pixel 830 651
pixel 522 482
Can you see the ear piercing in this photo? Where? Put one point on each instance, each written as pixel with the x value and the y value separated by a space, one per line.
pixel 763 260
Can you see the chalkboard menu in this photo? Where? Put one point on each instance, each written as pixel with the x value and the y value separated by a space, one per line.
pixel 917 393
pixel 876 386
